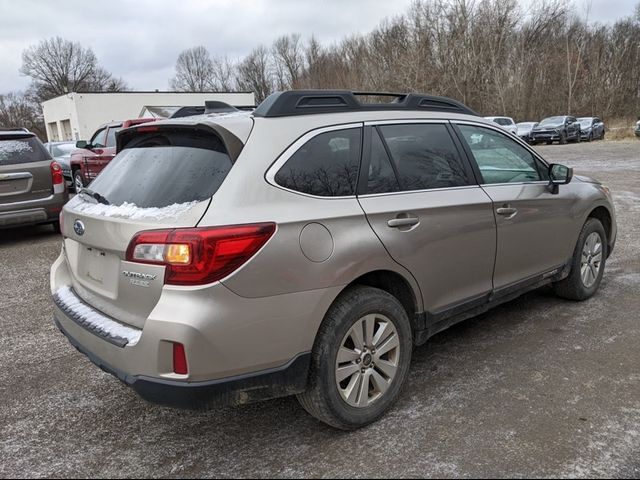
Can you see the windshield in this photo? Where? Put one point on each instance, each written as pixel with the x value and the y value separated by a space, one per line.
pixel 585 122
pixel 158 170
pixel 552 121
pixel 22 150
pixel 62 150
pixel 503 121
pixel 525 125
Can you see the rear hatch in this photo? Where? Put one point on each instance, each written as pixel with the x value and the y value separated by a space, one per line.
pixel 25 169
pixel 163 177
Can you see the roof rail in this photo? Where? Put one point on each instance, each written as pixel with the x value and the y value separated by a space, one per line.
pixel 308 102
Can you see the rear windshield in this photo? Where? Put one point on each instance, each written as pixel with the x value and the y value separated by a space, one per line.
pixel 22 150
pixel 162 169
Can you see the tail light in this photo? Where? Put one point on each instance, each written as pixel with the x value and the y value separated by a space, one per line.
pixel 197 256
pixel 57 177
pixel 180 360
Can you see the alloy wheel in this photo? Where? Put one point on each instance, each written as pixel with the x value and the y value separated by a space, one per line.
pixel 591 260
pixel 368 360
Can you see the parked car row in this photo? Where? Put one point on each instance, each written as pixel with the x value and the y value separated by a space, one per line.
pixel 561 129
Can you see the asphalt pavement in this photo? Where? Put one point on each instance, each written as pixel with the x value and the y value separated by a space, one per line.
pixel 539 387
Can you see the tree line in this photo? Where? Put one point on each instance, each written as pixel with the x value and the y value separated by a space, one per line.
pixel 497 56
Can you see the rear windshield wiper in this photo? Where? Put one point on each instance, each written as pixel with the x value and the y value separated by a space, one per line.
pixel 96 196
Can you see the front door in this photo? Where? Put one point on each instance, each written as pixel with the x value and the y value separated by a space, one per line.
pixel 535 227
pixel 421 199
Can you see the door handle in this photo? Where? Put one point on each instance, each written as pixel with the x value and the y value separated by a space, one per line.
pixel 403 222
pixel 507 211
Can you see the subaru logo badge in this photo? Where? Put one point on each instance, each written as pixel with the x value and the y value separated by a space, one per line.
pixel 78 227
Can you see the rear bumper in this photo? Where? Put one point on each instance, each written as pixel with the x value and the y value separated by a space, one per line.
pixel 32 212
pixel 267 384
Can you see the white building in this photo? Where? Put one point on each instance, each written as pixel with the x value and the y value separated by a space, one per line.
pixel 76 116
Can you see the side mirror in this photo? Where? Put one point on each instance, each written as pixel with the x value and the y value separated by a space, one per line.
pixel 559 175
pixel 82 144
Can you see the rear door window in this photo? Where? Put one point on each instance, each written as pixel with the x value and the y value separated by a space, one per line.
pixel 424 156
pixel 18 150
pixel 325 166
pixel 163 168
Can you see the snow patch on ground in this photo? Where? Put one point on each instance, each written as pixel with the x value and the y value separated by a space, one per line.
pixel 132 211
pixel 94 320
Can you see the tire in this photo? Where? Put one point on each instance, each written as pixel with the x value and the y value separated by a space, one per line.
pixel 590 138
pixel 578 137
pixel 56 227
pixel 563 138
pixel 575 287
pixel 78 183
pixel 549 142
pixel 602 136
pixel 323 398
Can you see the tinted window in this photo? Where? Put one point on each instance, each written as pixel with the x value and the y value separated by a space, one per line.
pixel 98 139
pixel 111 136
pixel 158 170
pixel 22 150
pixel 382 178
pixel 500 158
pixel 326 166
pixel 425 156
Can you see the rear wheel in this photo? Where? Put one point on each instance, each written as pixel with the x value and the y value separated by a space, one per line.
pixel 360 359
pixel 587 264
pixel 78 184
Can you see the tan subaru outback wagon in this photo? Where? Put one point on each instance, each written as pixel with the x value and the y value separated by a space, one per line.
pixel 305 248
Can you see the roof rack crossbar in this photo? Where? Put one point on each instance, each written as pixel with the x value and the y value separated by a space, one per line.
pixel 306 102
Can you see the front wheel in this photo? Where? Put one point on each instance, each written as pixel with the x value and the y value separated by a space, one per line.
pixel 360 359
pixel 587 263
pixel 563 138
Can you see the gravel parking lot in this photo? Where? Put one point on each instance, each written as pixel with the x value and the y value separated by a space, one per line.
pixel 538 387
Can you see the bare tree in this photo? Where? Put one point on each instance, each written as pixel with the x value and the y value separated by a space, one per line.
pixel 223 75
pixel 254 73
pixel 17 110
pixel 194 71
pixel 58 66
pixel 288 59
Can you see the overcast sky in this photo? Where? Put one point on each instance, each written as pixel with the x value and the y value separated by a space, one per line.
pixel 139 40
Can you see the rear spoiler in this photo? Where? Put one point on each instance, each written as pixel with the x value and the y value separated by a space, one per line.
pixel 232 143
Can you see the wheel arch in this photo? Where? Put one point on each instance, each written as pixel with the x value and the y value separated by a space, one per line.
pixel 603 214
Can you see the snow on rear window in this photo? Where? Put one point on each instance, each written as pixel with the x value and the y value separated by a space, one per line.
pixel 11 148
pixel 130 210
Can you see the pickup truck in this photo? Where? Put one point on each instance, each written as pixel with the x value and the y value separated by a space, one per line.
pixel 89 158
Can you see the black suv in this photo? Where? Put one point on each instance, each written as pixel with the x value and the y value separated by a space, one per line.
pixel 556 129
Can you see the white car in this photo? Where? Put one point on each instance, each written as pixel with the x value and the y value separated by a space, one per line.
pixel 506 123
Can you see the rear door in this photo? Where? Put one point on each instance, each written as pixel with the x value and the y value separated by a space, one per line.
pixel 535 227
pixel 163 179
pixel 422 201
pixel 25 169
